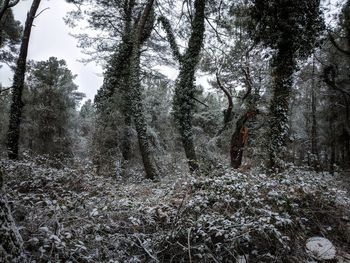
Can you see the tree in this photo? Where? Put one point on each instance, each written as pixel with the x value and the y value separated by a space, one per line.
pixel 122 80
pixel 5 5
pixel 185 88
pixel 10 32
pixel 141 32
pixel 5 97
pixel 50 107
pixel 235 59
pixel 290 28
pixel 18 84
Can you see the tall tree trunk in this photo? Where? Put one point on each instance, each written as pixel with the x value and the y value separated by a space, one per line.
pixel 11 243
pixel 135 93
pixel 185 89
pixel 139 118
pixel 282 82
pixel 18 83
pixel 314 148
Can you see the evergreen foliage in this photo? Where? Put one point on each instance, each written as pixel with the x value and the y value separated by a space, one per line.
pixel 10 35
pixel 291 29
pixel 51 102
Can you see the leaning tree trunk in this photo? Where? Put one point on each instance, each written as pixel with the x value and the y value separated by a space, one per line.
pixel 11 243
pixel 17 86
pixel 140 34
pixel 139 118
pixel 282 77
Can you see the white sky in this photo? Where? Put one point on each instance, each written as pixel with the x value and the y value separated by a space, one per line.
pixel 50 37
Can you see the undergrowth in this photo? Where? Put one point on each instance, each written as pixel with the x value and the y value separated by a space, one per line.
pixel 69 214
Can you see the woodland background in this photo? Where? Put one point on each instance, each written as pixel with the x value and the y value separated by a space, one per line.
pixel 156 170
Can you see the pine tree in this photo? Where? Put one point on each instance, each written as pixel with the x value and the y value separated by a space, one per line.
pixel 18 84
pixel 10 32
pixel 50 107
pixel 290 28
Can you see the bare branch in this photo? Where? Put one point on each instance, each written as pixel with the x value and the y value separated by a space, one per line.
pixel 42 11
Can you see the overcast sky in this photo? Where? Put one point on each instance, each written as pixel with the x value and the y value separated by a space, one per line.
pixel 50 37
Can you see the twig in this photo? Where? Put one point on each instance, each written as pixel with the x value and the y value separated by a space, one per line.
pixel 189 245
pixel 146 250
pixel 42 11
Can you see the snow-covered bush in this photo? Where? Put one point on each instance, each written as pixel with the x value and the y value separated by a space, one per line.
pixel 72 215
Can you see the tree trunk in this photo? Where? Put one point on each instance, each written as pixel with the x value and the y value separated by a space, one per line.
pixel 228 112
pixel 126 140
pixel 18 83
pixel 185 90
pixel 139 119
pixel 135 92
pixel 11 243
pixel 282 82
pixel 314 149
pixel 239 139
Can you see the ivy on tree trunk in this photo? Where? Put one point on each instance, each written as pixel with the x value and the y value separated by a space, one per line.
pixel 185 88
pixel 18 84
pixel 282 79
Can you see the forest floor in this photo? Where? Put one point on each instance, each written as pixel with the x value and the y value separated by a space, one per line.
pixel 70 214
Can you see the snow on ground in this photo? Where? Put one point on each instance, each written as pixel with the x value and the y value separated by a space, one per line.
pixel 72 215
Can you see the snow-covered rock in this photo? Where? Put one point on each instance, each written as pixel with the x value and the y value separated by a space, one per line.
pixel 320 248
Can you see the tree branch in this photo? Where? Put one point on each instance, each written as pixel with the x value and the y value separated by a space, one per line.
pixel 3 90
pixel 42 11
pixel 7 4
pixel 329 76
pixel 171 38
pixel 335 44
pixel 10 5
pixel 228 112
pixel 144 17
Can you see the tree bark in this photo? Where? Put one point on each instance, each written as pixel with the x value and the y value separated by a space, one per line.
pixel 239 139
pixel 18 83
pixel 135 92
pixel 282 82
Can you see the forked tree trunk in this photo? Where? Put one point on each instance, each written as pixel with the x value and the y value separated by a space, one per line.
pixel 18 83
pixel 185 89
